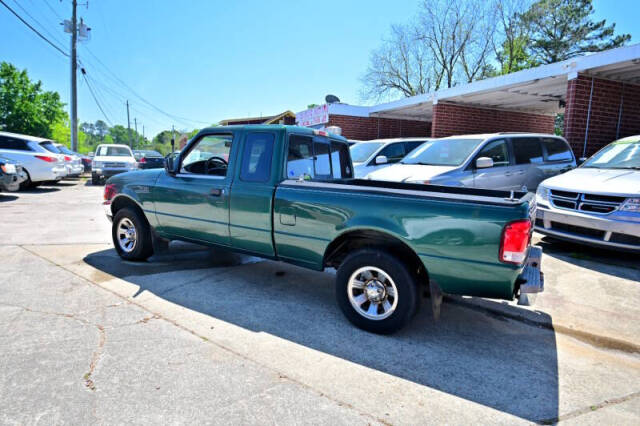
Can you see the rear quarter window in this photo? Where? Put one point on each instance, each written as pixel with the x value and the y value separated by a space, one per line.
pixel 557 150
pixel 527 150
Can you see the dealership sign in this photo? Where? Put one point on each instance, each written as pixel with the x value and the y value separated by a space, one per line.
pixel 313 116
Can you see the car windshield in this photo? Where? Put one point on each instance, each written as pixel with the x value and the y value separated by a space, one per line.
pixel 621 155
pixel 442 152
pixel 49 146
pixel 360 152
pixel 113 151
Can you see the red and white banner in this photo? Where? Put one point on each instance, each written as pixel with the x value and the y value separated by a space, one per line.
pixel 313 116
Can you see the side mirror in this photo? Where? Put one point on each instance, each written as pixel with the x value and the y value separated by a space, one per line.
pixel 382 159
pixel 171 163
pixel 581 160
pixel 484 163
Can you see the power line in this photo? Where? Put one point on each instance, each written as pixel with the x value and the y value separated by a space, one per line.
pixel 33 29
pixel 94 98
pixel 172 116
pixel 42 27
pixel 52 10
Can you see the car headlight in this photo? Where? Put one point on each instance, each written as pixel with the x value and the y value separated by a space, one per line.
pixel 631 205
pixel 8 168
pixel 542 194
pixel 133 166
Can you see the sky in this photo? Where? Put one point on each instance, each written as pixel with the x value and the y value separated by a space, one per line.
pixel 202 61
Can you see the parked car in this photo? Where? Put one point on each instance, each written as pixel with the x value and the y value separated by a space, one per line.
pixel 287 193
pixel 39 164
pixel 372 155
pixel 73 160
pixel 148 159
pixel 503 161
pixel 111 159
pixel 599 202
pixel 11 174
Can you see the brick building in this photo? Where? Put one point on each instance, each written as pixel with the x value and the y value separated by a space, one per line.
pixel 599 95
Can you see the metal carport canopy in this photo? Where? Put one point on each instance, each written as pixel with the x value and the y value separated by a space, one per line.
pixel 537 90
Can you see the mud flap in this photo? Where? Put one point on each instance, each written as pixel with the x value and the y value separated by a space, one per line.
pixel 436 299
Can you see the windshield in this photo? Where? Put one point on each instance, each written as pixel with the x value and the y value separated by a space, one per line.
pixel 360 152
pixel 50 147
pixel 616 156
pixel 442 152
pixel 113 151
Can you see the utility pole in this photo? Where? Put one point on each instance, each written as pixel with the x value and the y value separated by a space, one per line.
pixel 135 123
pixel 173 139
pixel 144 141
pixel 129 125
pixel 74 88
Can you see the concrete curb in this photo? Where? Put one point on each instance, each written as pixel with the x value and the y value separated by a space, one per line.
pixel 537 319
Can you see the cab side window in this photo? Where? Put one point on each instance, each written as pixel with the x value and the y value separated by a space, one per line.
pixel 340 161
pixel 209 156
pixel 527 150
pixel 300 158
pixel 256 158
pixel 557 150
pixel 322 160
pixel 394 152
pixel 496 150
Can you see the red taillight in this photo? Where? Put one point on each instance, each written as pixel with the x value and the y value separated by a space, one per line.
pixel 47 158
pixel 142 160
pixel 515 241
pixel 67 158
pixel 109 191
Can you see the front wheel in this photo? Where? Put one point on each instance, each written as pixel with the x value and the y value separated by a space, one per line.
pixel 376 291
pixel 131 235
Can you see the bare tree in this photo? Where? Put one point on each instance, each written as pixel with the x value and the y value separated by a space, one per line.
pixel 401 66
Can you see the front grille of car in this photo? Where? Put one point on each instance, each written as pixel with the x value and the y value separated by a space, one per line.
pixel 625 239
pixel 115 165
pixel 588 203
pixel 579 230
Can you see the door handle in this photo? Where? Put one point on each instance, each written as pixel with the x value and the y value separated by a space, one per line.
pixel 215 192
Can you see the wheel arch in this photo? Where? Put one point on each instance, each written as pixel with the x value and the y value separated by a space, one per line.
pixel 122 200
pixel 352 240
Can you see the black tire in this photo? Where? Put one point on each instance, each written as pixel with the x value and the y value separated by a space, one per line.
pixel 399 272
pixel 27 183
pixel 142 249
pixel 95 179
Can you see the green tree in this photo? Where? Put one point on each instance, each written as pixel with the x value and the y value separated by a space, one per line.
pixel 563 29
pixel 25 107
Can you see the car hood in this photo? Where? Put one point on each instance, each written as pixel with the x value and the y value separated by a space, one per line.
pixel 116 158
pixel 408 172
pixel 597 181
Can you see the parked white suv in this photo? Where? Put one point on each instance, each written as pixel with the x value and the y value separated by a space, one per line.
pixel 39 164
pixel 599 202
pixel 111 159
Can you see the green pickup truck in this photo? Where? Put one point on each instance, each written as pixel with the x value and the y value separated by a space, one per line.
pixel 288 193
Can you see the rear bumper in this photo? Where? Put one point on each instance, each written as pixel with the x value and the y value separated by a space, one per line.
pixel 531 280
pixel 75 169
pixel 107 210
pixel 602 230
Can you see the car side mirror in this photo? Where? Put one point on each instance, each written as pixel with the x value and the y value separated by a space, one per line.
pixel 484 163
pixel 581 160
pixel 382 159
pixel 171 163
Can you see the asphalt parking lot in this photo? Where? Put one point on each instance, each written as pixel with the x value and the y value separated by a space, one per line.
pixel 199 335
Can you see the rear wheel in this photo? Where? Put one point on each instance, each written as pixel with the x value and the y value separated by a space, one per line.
pixel 131 235
pixel 376 291
pixel 95 179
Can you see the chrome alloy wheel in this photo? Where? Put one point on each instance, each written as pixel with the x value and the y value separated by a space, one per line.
pixel 372 293
pixel 127 236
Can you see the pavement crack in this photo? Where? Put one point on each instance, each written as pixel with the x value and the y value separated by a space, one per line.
pixel 95 358
pixel 590 409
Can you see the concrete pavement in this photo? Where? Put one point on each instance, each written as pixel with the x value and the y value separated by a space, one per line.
pixel 203 336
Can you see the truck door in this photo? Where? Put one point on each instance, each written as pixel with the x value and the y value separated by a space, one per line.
pixel 252 195
pixel 195 202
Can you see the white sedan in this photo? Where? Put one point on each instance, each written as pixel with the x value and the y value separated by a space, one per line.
pixel 39 164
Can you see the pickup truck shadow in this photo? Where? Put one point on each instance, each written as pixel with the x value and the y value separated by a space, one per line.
pixel 5 197
pixel 494 361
